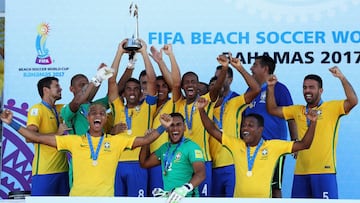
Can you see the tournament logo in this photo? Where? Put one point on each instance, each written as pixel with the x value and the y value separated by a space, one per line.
pixel 43 57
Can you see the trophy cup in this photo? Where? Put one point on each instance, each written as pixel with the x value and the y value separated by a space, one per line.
pixel 134 43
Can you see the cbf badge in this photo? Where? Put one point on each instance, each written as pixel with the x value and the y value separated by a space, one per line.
pixel 263 97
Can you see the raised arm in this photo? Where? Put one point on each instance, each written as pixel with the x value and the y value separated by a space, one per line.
pixel 157 57
pixel 6 117
pixel 150 73
pixel 271 105
pixel 168 50
pixel 126 75
pixel 351 98
pixel 214 92
pixel 207 122
pixel 254 88
pixel 88 91
pixel 113 91
pixel 175 73
pixel 306 141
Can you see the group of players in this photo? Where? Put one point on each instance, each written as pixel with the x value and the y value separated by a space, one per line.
pixel 219 143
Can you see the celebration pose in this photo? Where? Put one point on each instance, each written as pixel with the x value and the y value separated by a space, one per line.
pixel 254 157
pixel 181 160
pixel 49 165
pixel 94 175
pixel 274 127
pixel 315 171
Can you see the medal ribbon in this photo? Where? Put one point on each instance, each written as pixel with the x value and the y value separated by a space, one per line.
pixel 168 159
pixel 222 108
pixel 52 109
pixel 307 110
pixel 187 119
pixel 251 159
pixel 94 155
pixel 83 110
pixel 128 118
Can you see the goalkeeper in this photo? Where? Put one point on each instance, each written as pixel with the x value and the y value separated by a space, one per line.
pixel 181 160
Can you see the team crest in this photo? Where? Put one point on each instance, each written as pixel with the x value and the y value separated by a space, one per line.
pixel 107 145
pixel 178 156
pixel 263 97
pixel 264 154
pixel 34 112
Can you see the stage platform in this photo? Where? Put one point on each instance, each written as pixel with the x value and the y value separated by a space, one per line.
pixel 163 200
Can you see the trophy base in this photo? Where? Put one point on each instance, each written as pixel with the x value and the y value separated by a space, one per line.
pixel 132 45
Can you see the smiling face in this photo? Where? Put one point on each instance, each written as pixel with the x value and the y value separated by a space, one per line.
pixel 190 83
pixel 251 130
pixel 132 93
pixel 176 129
pixel 97 119
pixel 162 90
pixel 312 92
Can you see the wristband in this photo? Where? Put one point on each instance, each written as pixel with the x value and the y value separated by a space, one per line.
pixel 189 186
pixel 160 129
pixel 130 66
pixel 14 125
pixel 96 82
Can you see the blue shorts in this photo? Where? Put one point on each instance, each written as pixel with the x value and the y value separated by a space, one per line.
pixel 205 186
pixel 223 181
pixel 56 184
pixel 155 178
pixel 323 186
pixel 130 180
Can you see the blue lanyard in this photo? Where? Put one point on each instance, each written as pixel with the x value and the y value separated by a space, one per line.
pixel 94 155
pixel 187 119
pixel 128 118
pixel 52 109
pixel 251 159
pixel 307 110
pixel 83 110
pixel 168 159
pixel 222 108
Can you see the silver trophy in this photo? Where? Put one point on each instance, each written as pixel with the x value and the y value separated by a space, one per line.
pixel 134 43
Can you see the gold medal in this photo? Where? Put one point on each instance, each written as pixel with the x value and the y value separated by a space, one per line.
pixel 94 163
pixel 190 131
pixel 249 173
pixel 129 132
pixel 165 173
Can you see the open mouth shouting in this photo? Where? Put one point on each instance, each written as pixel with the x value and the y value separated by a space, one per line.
pixel 97 123
pixel 191 91
pixel 245 134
